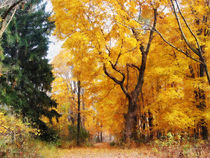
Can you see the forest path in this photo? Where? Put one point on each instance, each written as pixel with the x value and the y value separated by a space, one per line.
pixel 103 150
pixel 101 145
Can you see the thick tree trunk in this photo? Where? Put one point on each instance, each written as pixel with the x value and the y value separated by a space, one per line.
pixel 131 121
pixel 131 116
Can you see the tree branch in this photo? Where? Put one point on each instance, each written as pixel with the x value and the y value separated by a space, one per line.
pixel 115 64
pixel 151 32
pixel 114 67
pixel 180 50
pixel 10 8
pixel 113 78
pixel 117 81
pixel 6 24
pixel 182 33
pixel 188 27
pixel 134 66
pixel 138 87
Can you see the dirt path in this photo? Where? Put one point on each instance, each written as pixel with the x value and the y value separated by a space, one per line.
pixel 101 145
pixel 106 153
pixel 103 150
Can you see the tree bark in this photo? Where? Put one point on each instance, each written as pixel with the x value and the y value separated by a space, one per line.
pixel 201 97
pixel 131 121
pixel 83 108
pixel 200 103
pixel 78 115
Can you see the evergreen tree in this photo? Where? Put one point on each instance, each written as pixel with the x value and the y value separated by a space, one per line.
pixel 26 78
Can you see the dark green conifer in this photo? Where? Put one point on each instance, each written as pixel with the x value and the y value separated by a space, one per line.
pixel 26 78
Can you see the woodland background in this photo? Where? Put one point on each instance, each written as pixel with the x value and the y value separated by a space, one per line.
pixel 131 73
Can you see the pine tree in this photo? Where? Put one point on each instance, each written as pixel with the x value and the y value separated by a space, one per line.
pixel 26 79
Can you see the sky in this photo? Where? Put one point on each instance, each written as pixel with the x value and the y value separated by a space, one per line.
pixel 55 44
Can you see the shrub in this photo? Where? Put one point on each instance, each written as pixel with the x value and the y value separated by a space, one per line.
pixel 84 135
pixel 112 143
pixel 170 146
pixel 15 137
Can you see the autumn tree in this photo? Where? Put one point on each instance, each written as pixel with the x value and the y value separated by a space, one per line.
pixel 63 90
pixel 194 44
pixel 194 47
pixel 68 92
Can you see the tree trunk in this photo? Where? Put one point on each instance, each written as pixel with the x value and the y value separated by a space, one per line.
pixel 130 131
pixel 101 136
pixel 202 105
pixel 78 116
pixel 83 108
pixel 131 121
pixel 150 124
pixel 101 132
pixel 200 99
pixel 131 116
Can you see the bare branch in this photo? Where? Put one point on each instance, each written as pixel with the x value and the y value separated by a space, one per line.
pixel 10 8
pixel 134 66
pixel 118 71
pixel 117 81
pixel 118 57
pixel 113 78
pixel 6 24
pixel 180 50
pixel 182 32
pixel 108 49
pixel 115 64
pixel 188 26
pixel 151 32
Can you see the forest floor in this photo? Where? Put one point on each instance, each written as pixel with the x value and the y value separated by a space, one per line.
pixel 103 150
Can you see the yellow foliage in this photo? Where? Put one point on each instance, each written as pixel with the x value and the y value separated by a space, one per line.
pixel 111 34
